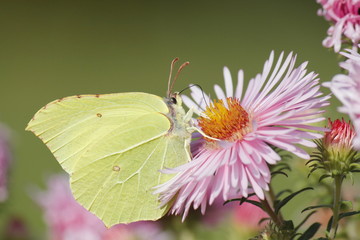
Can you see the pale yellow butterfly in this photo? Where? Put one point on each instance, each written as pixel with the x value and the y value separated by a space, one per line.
pixel 114 145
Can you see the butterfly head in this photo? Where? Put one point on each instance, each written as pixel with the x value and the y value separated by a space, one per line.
pixel 175 98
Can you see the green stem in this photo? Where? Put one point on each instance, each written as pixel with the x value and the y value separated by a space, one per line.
pixel 336 205
pixel 273 199
pixel 271 213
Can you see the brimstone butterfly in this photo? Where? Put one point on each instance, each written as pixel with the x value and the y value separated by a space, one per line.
pixel 114 145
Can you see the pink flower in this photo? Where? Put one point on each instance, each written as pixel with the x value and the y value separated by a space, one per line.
pixel 347 89
pixel 142 230
pixel 344 14
pixel 340 136
pixel 336 155
pixel 5 158
pixel 276 109
pixel 68 220
pixel 249 215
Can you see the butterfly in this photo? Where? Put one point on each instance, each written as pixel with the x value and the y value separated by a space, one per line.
pixel 114 146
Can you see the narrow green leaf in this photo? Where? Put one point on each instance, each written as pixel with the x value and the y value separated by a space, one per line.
pixel 282 192
pixel 263 220
pixel 273 174
pixel 288 225
pixel 328 227
pixel 310 232
pixel 324 176
pixel 304 220
pixel 288 198
pixel 255 203
pixel 232 200
pixel 348 214
pixel 284 168
pixel 316 206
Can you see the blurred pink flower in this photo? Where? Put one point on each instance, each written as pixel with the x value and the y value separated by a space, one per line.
pixel 143 230
pixel 218 212
pixel 68 220
pixel 245 215
pixel 277 109
pixel 5 158
pixel 345 16
pixel 347 89
pixel 249 216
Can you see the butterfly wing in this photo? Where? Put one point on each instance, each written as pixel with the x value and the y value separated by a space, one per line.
pixel 113 147
pixel 118 189
pixel 71 126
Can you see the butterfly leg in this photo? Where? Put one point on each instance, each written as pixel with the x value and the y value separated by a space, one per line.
pixel 192 129
pixel 188 115
pixel 187 149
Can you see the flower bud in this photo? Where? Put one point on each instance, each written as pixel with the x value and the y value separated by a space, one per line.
pixel 336 154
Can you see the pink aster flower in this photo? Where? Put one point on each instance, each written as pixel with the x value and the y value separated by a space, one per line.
pixel 347 89
pixel 277 108
pixel 345 16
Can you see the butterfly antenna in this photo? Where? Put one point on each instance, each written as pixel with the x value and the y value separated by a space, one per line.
pixel 177 74
pixel 202 92
pixel 169 81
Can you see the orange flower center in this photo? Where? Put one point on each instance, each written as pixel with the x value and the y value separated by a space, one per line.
pixel 223 122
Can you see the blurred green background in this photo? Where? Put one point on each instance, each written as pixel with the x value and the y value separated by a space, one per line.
pixel 52 49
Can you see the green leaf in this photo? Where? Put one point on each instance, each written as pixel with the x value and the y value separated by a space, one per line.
pixel 263 220
pixel 328 227
pixel 316 206
pixel 282 192
pixel 324 176
pixel 348 214
pixel 284 168
pixel 304 220
pixel 287 225
pixel 341 215
pixel 255 203
pixel 288 198
pixel 312 170
pixel 232 200
pixel 310 232
pixel 241 200
pixel 312 160
pixel 273 174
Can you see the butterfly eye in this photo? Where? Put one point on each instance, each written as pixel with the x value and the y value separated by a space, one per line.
pixel 173 100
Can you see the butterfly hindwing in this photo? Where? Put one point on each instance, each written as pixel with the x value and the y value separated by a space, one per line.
pixel 118 189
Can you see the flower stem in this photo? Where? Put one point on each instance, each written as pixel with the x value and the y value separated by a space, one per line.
pixel 336 205
pixel 275 218
pixel 273 199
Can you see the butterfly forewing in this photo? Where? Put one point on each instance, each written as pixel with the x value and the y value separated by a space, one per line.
pixel 70 126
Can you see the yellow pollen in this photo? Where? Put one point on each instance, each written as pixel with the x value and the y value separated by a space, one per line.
pixel 229 123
